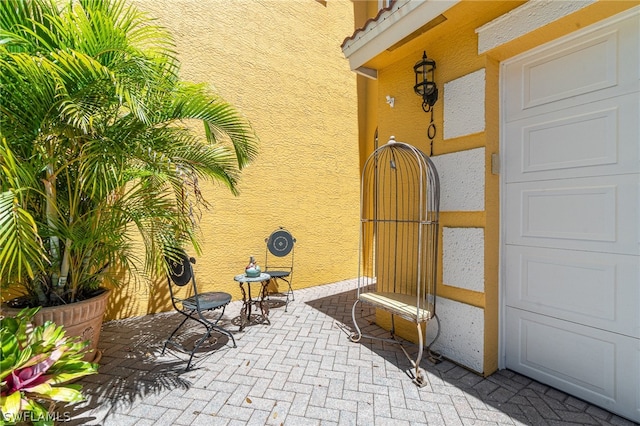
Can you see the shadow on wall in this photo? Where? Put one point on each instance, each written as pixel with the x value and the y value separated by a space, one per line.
pixel 127 301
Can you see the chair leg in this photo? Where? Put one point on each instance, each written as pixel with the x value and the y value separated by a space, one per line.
pixel 293 298
pixel 197 346
pixel 222 330
pixel 186 317
pixel 214 325
pixel 289 293
pixel 225 332
pixel 209 327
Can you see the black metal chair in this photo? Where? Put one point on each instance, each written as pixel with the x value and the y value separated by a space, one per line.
pixel 279 260
pixel 179 274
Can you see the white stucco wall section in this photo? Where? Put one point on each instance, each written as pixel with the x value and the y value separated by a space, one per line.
pixel 461 333
pixel 524 19
pixel 463 258
pixel 464 105
pixel 461 180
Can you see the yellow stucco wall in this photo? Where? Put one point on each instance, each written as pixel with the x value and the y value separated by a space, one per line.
pixel 453 45
pixel 280 63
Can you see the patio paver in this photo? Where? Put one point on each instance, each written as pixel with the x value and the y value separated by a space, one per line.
pixel 303 370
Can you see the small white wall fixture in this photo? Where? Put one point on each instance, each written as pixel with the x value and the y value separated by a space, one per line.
pixel 391 101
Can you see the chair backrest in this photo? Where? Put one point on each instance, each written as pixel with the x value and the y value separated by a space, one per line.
pixel 180 271
pixel 281 245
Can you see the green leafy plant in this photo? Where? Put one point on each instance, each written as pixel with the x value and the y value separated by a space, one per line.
pixel 36 362
pixel 99 148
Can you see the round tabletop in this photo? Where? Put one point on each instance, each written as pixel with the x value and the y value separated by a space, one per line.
pixel 243 278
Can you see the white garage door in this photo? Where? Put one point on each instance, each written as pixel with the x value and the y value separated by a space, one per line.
pixel 571 202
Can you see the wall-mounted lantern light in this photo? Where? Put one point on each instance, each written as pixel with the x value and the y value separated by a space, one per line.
pixel 425 85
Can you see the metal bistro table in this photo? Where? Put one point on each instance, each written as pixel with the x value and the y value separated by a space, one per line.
pixel 247 301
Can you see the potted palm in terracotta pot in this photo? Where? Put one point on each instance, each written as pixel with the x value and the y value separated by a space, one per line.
pixel 99 152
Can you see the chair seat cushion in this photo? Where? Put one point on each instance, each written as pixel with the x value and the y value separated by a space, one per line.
pixel 210 300
pixel 278 274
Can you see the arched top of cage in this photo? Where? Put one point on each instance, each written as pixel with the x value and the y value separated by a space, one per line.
pixel 401 182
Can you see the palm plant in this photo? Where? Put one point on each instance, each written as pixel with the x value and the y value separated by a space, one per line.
pixel 98 150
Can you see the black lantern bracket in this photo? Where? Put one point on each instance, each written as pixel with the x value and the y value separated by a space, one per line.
pixel 425 86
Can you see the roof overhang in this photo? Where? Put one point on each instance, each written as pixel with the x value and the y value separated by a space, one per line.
pixel 391 26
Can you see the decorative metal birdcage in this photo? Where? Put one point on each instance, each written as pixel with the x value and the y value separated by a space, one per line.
pixel 400 197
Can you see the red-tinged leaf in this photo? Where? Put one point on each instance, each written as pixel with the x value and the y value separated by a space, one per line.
pixel 28 376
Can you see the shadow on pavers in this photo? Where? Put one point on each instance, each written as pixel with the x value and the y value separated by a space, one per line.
pixel 132 366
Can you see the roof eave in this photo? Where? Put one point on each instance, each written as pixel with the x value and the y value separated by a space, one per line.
pixel 389 28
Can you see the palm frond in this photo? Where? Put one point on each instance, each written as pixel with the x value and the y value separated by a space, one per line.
pixel 20 245
pixel 19 19
pixel 221 120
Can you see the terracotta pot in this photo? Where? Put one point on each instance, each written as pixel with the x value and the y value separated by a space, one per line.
pixel 83 319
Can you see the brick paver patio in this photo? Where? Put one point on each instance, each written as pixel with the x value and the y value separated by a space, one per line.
pixel 303 370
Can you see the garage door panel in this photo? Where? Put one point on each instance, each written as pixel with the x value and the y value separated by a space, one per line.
pixel 554 145
pixel 587 140
pixel 545 79
pixel 582 361
pixel 595 289
pixel 577 72
pixel 558 350
pixel 594 214
pixel 571 213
